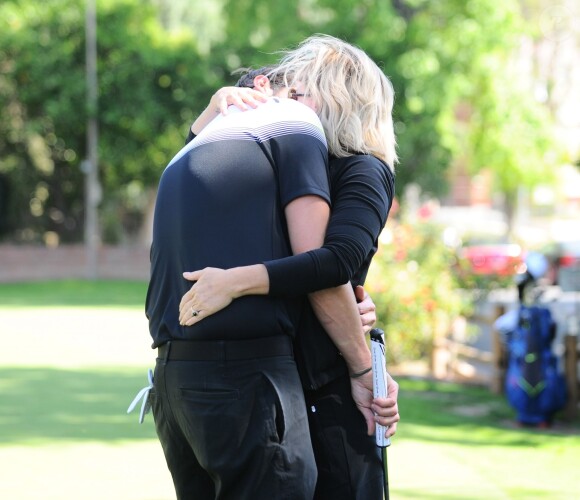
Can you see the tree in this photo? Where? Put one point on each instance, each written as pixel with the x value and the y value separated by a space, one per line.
pixel 150 83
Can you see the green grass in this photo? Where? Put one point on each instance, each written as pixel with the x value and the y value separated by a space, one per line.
pixel 468 415
pixel 461 442
pixel 438 453
pixel 74 293
pixel 45 405
pixel 453 442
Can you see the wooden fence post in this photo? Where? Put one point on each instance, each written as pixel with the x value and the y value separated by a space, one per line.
pixel 571 371
pixel 499 355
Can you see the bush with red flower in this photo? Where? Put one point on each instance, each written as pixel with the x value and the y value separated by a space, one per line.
pixel 413 285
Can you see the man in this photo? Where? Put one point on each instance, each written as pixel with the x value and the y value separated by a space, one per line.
pixel 228 406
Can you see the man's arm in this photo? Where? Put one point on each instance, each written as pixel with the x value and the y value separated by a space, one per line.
pixel 335 308
pixel 337 311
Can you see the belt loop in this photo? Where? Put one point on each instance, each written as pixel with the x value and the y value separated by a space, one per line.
pixel 167 349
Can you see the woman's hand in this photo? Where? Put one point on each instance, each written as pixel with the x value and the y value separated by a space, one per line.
pixel 211 292
pixel 214 289
pixel 242 97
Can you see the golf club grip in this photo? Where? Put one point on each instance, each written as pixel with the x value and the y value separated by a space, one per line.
pixel 379 379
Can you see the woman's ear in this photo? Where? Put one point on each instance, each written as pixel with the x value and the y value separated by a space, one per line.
pixel 262 84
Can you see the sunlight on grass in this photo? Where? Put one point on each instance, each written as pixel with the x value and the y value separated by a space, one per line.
pixel 75 337
pixel 87 471
pixel 70 426
pixel 440 453
pixel 433 470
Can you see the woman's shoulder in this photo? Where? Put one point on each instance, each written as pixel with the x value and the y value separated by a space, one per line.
pixel 364 164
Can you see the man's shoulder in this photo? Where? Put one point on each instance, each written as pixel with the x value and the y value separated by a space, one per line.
pixel 292 109
pixel 271 120
pixel 279 110
pixel 285 117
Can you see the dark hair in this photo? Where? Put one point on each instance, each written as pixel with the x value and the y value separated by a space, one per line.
pixel 247 79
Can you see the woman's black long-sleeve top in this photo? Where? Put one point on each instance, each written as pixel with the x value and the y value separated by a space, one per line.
pixel 362 191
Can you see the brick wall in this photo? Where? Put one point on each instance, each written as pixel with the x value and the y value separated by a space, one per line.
pixel 32 263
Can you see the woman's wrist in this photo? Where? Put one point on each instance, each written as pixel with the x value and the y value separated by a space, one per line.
pixel 250 280
pixel 207 115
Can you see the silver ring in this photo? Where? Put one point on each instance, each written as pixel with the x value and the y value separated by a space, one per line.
pixel 194 312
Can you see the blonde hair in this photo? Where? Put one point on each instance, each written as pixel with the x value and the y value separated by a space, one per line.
pixel 354 98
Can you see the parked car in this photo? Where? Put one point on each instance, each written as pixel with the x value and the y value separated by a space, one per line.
pixel 492 256
pixel 564 257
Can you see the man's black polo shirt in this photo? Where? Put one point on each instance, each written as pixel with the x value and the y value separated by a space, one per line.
pixel 220 203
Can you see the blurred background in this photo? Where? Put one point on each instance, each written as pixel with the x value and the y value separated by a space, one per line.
pixel 97 95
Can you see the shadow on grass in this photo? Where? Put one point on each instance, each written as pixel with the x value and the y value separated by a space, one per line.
pixel 467 415
pixel 47 404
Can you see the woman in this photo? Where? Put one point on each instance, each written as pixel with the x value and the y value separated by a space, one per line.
pixel 354 100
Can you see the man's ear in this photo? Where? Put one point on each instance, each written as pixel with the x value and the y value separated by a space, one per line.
pixel 262 84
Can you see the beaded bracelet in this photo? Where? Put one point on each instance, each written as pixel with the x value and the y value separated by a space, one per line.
pixel 361 373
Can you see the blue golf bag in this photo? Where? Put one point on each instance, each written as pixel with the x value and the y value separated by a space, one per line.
pixel 534 386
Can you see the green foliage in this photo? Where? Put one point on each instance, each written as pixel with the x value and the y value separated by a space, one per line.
pixel 37 130
pixel 442 57
pixel 512 140
pixel 148 91
pixel 413 286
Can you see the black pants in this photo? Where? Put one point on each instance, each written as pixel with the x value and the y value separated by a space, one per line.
pixel 234 429
pixel 349 461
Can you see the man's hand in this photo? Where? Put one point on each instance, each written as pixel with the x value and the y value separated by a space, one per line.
pixel 366 308
pixel 362 392
pixel 386 410
pixel 383 411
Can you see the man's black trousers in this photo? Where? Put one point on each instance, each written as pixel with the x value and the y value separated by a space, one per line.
pixel 234 429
